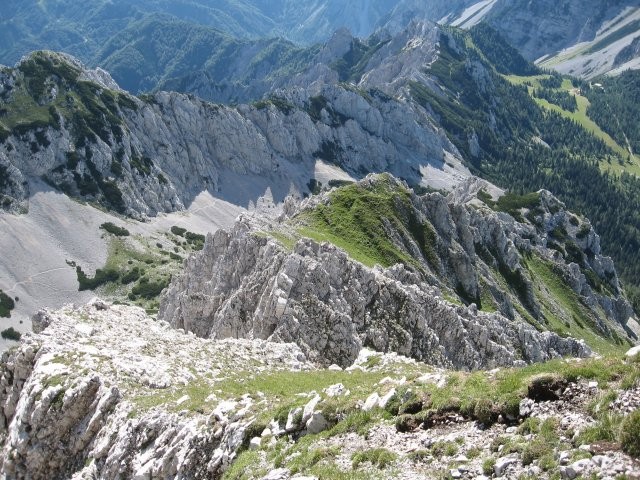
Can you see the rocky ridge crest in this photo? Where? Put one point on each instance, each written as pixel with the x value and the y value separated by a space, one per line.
pixel 104 391
pixel 155 154
pixel 246 284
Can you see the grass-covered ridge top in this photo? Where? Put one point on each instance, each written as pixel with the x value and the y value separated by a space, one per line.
pixel 361 218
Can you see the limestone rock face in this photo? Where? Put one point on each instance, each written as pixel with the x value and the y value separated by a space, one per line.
pixel 332 306
pixel 246 285
pixel 155 155
pixel 94 396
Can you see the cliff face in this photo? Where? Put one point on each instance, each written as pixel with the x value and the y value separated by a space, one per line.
pixel 247 285
pixel 141 157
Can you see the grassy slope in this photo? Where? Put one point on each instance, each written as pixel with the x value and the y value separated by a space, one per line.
pixel 473 395
pixel 563 311
pixel 355 221
pixel 141 267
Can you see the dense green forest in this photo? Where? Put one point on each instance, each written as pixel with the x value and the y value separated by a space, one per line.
pixel 615 106
pixel 526 148
pixel 564 100
pixel 500 53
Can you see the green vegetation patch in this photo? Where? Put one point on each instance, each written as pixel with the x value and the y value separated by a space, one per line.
pixel 138 269
pixel 513 204
pixel 115 229
pixel 47 91
pixel 194 240
pixel 11 334
pixel 630 434
pixel 278 102
pixel 563 311
pixel 499 51
pixel 6 305
pixel 101 277
pixel 355 220
pixel 378 457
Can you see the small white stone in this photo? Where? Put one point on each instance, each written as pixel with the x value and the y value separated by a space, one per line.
pixel 455 473
pixel 385 399
pixel 632 352
pixel 278 474
pixel 255 443
pixel 371 402
pixel 317 423
pixel 291 420
pixel 582 465
pixel 309 409
pixel 182 400
pixel 336 390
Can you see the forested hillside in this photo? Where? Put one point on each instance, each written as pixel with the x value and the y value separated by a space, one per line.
pixel 524 147
pixel 615 106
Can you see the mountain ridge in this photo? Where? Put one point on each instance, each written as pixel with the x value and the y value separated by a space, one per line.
pixel 417 248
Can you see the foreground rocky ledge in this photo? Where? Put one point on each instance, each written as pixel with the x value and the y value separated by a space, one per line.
pixel 79 397
pixel 107 392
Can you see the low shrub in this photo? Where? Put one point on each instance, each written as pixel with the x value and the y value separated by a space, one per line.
pixel 115 229
pixel 131 276
pixel 149 290
pixel 178 230
pixel 488 466
pixel 101 277
pixel 6 305
pixel 630 435
pixel 11 334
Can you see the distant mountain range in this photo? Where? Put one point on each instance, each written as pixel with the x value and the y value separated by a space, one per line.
pixel 146 42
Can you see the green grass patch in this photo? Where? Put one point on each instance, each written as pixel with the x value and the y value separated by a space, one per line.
pixel 378 457
pixel 630 434
pixel 607 428
pixel 309 457
pixel 246 466
pixel 354 219
pixel 287 241
pixel 283 388
pixel 478 395
pixel 563 310
pixel 543 443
